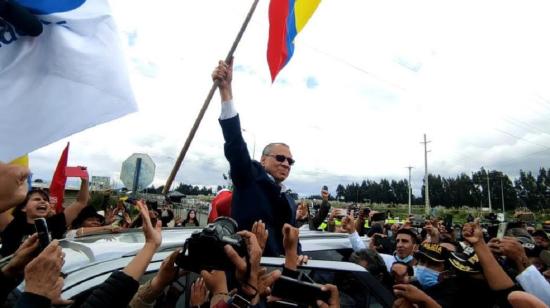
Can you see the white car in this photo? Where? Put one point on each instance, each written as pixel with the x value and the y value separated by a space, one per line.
pixel 90 260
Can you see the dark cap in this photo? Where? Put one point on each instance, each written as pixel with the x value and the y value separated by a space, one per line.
pixel 523 237
pixel 432 252
pixel 466 263
pixel 542 234
pixel 87 212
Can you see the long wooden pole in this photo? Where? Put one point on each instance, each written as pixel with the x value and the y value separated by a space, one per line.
pixel 198 120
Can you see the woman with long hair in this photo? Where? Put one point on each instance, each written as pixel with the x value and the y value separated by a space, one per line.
pixel 37 205
pixel 191 220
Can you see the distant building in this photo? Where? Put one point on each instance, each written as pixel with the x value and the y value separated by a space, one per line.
pixel 100 183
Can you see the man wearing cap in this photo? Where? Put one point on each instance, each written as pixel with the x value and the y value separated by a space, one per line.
pixel 470 280
pixel 429 271
pixel 541 239
pixel 530 279
pixel 89 222
pixel 259 192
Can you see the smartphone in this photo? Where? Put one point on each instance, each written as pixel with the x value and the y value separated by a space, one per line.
pixel 76 172
pixel 502 229
pixel 299 292
pixel 325 188
pixel 43 235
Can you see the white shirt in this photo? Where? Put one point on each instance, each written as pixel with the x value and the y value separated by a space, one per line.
pixel 228 110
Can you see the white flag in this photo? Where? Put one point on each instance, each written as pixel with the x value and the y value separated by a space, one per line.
pixel 70 78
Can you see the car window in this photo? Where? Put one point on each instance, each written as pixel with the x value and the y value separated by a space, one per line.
pixel 330 255
pixel 356 289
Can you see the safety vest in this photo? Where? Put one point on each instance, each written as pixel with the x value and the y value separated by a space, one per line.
pixel 323 226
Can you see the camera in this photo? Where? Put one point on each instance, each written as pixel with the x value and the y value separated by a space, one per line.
pixel 204 250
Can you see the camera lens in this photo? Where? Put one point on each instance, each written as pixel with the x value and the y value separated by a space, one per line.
pixel 227 226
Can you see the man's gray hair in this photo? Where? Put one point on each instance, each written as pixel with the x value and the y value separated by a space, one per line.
pixel 269 147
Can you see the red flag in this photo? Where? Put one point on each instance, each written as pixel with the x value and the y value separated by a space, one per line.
pixel 57 187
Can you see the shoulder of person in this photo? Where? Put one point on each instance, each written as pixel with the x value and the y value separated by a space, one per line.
pixel 16 223
pixel 56 220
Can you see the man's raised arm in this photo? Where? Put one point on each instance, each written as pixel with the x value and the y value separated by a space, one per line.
pixel 235 148
pixel 81 202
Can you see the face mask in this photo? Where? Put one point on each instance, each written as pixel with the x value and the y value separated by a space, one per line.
pixel 407 259
pixel 426 277
pixel 390 233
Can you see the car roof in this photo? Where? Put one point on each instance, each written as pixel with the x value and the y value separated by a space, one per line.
pixel 89 250
pixel 91 259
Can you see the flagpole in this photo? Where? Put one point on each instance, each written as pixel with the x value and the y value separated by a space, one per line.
pixel 198 120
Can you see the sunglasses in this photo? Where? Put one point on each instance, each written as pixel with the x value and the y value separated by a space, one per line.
pixel 282 158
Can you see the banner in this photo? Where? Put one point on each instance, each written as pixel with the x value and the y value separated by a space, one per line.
pixel 69 78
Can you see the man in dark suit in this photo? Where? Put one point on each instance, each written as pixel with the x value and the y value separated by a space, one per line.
pixel 259 193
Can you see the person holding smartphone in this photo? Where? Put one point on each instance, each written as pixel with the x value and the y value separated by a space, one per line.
pixel 319 219
pixel 37 205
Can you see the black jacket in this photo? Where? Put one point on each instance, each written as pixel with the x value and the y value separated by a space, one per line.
pixel 31 300
pixel 255 196
pixel 6 286
pixel 321 215
pixel 116 291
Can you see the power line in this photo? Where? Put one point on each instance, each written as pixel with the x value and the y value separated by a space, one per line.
pixel 522 139
pixel 524 125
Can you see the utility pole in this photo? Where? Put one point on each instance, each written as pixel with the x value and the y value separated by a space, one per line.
pixel 426 188
pixel 409 167
pixel 489 192
pixel 502 197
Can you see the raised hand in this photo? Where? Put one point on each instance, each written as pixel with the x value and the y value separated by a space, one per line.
pixel 258 228
pixel 13 185
pixel 473 233
pixel 21 257
pixel 334 300
pixel 42 275
pixel 152 234
pixel 348 224
pixel 199 293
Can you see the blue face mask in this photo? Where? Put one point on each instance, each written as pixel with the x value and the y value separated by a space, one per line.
pixel 426 277
pixel 407 259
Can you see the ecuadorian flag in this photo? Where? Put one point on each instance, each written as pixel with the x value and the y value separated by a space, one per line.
pixel 286 19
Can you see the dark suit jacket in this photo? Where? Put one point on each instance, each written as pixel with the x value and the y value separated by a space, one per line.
pixel 255 196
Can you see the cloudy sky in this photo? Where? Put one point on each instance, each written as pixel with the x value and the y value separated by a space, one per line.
pixel 367 80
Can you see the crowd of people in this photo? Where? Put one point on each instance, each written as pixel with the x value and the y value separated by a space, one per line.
pixel 425 263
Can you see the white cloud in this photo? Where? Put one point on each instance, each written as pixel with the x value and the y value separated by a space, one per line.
pixel 385 73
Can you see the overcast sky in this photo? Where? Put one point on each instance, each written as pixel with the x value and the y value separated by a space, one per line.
pixel 367 80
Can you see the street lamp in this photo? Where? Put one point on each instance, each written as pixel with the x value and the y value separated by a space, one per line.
pixel 254 140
